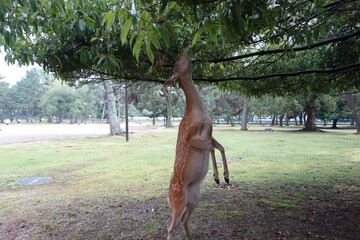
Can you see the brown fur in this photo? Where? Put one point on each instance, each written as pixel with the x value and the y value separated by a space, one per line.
pixel 194 145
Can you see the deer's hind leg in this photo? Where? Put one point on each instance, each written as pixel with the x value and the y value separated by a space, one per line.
pixel 219 147
pixel 193 195
pixel 177 211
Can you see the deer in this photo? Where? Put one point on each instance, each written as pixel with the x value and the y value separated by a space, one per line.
pixel 194 145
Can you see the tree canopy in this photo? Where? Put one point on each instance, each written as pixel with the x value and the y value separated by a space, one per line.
pixel 257 47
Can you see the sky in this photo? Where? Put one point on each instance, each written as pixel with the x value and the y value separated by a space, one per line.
pixel 11 73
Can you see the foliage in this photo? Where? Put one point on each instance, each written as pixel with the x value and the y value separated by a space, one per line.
pixel 150 103
pixel 6 103
pixel 28 92
pixel 230 40
pixel 330 107
pixel 221 104
pixel 61 100
pixel 58 102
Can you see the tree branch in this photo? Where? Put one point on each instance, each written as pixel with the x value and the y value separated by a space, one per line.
pixel 341 69
pixel 297 49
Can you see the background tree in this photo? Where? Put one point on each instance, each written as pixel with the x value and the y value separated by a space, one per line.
pixel 353 102
pixel 151 104
pixel 112 115
pixel 6 102
pixel 28 93
pixel 328 109
pixel 57 102
pixel 245 114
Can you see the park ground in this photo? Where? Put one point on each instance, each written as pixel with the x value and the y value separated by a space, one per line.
pixel 285 184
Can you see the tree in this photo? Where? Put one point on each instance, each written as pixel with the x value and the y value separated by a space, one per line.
pixel 6 103
pixel 90 30
pixel 150 102
pixel 328 109
pixel 28 93
pixel 164 92
pixel 353 104
pixel 57 102
pixel 91 99
pixel 112 116
pixel 245 114
pixel 273 48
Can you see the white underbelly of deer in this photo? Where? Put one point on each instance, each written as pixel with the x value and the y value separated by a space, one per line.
pixel 198 167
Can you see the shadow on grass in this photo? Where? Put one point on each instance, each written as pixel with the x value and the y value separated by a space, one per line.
pixel 271 211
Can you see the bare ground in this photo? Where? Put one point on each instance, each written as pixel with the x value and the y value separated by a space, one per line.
pixel 13 133
pixel 23 132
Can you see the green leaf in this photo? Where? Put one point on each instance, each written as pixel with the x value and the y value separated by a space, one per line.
pixel 165 36
pixel 125 30
pixel 105 17
pixel 316 34
pixel 109 18
pixel 133 35
pixel 81 24
pixel 33 5
pixel 137 47
pixel 196 37
pixel 144 16
pixel 149 52
pixel 213 34
pixel 154 40
pixel 163 5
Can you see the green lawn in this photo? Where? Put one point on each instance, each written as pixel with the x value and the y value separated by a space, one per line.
pixel 286 184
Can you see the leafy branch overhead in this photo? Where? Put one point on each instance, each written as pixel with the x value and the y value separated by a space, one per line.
pixel 229 40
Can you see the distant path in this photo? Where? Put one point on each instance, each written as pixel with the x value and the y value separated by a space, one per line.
pixel 23 132
pixel 14 133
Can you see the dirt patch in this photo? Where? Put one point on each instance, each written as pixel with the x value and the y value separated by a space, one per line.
pixel 15 228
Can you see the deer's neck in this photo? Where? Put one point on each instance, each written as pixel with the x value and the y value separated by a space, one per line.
pixel 193 100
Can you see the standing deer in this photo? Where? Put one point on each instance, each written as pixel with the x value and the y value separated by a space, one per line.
pixel 194 145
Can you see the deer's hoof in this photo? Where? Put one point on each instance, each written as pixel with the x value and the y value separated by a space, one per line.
pixel 227 180
pixel 217 180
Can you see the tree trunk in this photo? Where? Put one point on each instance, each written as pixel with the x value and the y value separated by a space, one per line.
pixel 300 119
pixel 245 114
pixel 354 113
pixel 281 120
pixel 352 122
pixel 111 109
pixel 334 124
pixel 167 97
pixel 103 111
pixel 50 119
pixel 310 124
pixel 273 120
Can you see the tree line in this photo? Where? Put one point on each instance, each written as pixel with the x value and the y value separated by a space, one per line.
pixel 38 97
pixel 255 48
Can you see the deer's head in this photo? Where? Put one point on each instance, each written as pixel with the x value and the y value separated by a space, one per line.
pixel 181 71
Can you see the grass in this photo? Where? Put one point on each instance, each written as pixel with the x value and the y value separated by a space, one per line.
pixel 285 185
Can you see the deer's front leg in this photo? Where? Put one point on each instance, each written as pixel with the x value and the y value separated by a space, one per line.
pixel 201 138
pixel 218 146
